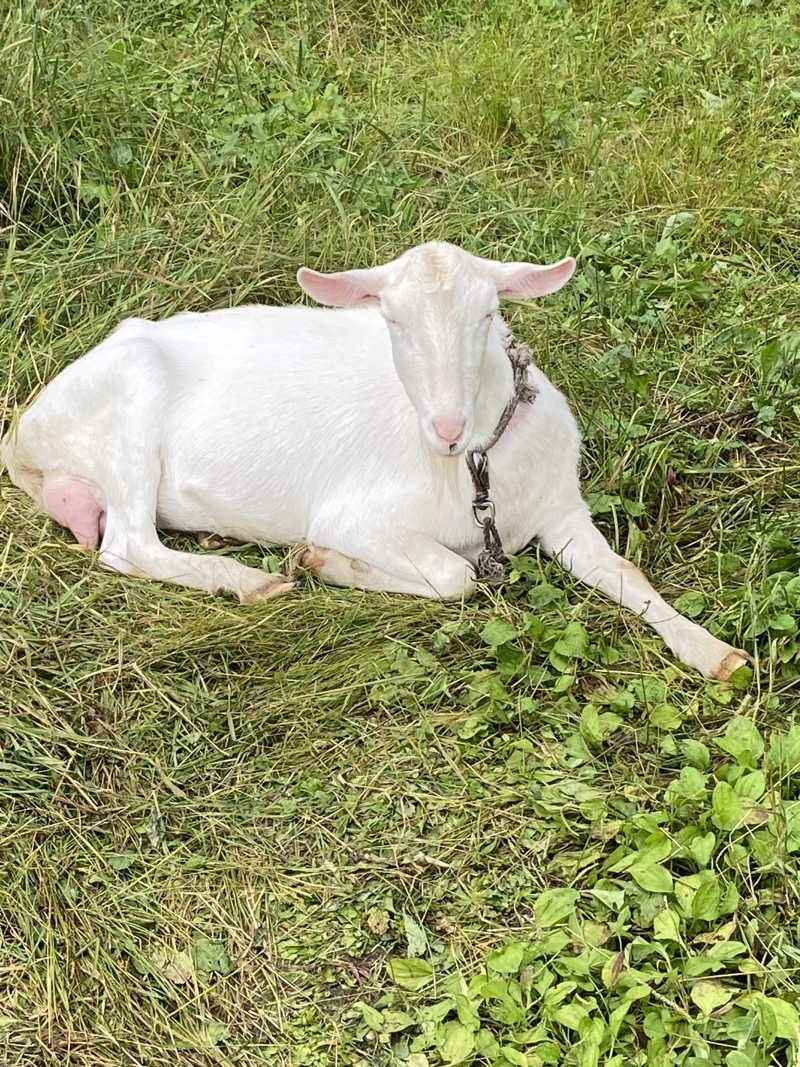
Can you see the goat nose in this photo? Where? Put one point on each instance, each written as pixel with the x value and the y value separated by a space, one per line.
pixel 449 429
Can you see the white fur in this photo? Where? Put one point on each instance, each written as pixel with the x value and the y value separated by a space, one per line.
pixel 295 424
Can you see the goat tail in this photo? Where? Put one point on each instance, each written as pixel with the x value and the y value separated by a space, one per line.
pixel 12 459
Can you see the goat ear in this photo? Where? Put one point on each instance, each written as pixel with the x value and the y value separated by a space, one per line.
pixel 526 280
pixel 343 288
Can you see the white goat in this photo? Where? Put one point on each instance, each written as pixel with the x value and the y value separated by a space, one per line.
pixel 340 429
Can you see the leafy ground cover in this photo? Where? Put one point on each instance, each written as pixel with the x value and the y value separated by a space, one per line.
pixel 349 829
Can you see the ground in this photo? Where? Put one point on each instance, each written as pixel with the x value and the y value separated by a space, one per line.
pixel 352 829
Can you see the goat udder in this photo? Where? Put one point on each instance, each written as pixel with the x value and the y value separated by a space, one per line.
pixel 74 504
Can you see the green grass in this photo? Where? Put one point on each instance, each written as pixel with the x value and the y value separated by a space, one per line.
pixel 226 830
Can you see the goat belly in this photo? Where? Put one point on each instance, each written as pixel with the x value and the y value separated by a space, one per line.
pixel 232 501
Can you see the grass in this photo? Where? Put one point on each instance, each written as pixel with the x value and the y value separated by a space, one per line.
pixel 350 829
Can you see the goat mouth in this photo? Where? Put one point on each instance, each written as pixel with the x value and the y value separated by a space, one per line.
pixel 451 452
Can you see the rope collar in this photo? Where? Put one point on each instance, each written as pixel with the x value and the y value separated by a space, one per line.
pixel 491 563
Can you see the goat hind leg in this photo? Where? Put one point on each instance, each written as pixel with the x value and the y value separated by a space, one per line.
pixel 139 551
pixel 131 545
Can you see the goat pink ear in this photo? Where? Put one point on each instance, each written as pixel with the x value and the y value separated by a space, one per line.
pixel 343 288
pixel 526 280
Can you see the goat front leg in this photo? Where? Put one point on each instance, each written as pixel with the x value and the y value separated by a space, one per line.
pixel 580 547
pixel 400 561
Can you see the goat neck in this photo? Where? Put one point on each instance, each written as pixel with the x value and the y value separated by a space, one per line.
pixel 495 385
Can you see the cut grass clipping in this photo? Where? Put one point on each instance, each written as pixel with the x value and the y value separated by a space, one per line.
pixel 351 829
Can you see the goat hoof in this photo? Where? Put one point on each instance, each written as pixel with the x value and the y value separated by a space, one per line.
pixel 311 558
pixel 272 586
pixel 211 541
pixel 736 658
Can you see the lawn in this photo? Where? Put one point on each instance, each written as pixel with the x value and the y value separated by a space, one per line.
pixel 354 829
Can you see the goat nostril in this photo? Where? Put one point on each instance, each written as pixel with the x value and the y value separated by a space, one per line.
pixel 449 429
